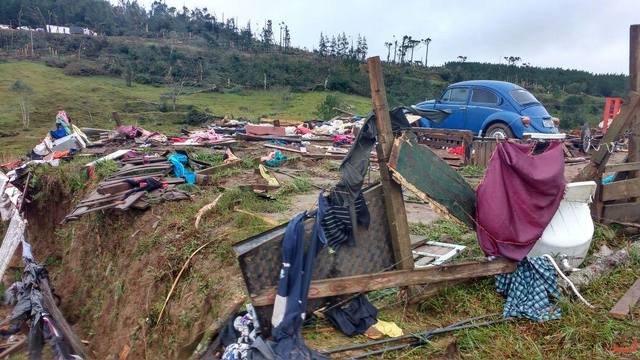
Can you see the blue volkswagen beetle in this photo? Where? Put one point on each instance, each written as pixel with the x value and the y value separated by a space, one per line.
pixel 490 108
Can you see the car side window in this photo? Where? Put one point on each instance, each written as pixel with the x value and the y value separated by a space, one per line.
pixel 484 97
pixel 445 96
pixel 459 95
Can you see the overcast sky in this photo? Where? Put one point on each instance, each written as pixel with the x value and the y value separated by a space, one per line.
pixel 590 35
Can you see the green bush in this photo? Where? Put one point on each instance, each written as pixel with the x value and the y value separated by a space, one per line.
pixel 326 109
pixel 83 68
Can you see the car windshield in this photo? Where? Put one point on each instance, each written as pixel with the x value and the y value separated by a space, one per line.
pixel 523 97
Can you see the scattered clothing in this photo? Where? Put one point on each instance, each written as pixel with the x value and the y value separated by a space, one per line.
pixel 272 181
pixel 518 197
pixel 354 318
pixel 200 137
pixel 138 133
pixel 58 133
pixel 293 288
pixel 63 121
pixel 29 308
pixel 243 330
pixel 337 222
pixel 356 163
pixel 179 160
pixel 145 184
pixel 342 140
pixel 274 159
pixel 531 291
pixel 382 329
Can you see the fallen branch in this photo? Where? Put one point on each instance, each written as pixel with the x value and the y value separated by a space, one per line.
pixel 601 267
pixel 206 208
pixel 263 218
pixel 175 282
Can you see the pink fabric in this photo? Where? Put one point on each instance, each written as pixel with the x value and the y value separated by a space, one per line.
pixel 458 150
pixel 518 197
pixel 205 136
pixel 133 132
pixel 128 131
pixel 301 130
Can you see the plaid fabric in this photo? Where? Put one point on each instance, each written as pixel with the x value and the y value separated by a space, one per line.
pixel 531 291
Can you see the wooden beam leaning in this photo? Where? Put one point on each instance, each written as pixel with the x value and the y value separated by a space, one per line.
pixel 399 278
pixel 600 157
pixel 634 86
pixel 392 191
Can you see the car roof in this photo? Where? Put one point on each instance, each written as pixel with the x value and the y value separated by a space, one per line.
pixel 494 84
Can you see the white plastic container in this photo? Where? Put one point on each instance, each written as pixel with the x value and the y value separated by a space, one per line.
pixel 571 229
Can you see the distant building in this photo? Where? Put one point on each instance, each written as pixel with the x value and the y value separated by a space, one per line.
pixel 73 30
pixel 55 29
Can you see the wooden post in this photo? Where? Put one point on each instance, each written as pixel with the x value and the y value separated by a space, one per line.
pixel 634 86
pixel 393 201
pixel 116 118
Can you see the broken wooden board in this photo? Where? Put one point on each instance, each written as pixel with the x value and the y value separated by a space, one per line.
pixel 422 172
pixel 622 308
pixel 260 256
pixel 391 279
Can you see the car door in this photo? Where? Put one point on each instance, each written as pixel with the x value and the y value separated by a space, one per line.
pixel 482 103
pixel 454 101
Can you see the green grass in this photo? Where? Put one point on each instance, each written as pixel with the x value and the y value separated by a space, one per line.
pixel 89 101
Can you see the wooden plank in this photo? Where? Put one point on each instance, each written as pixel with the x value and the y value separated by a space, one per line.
pixel 67 332
pixel 628 212
pixel 392 191
pixel 422 172
pixel 622 189
pixel 217 168
pixel 622 167
pixel 399 278
pixel 634 86
pixel 622 308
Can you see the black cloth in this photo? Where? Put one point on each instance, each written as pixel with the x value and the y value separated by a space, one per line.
pixel 337 222
pixel 355 164
pixel 354 318
pixel 433 115
pixel 149 184
pixel 29 308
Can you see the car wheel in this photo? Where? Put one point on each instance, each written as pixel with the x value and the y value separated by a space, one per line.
pixel 499 130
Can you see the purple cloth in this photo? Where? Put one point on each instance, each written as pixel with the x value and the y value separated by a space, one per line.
pixel 518 197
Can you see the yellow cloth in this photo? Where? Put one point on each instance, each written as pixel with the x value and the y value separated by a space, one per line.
pixel 388 328
pixel 272 181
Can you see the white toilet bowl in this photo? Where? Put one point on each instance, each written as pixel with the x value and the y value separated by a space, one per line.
pixel 569 234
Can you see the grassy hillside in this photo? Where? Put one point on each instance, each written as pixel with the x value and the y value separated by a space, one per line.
pixel 90 101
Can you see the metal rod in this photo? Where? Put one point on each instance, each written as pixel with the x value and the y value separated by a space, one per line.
pixel 404 337
pixel 428 335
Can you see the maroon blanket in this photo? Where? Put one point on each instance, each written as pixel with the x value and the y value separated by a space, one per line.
pixel 518 197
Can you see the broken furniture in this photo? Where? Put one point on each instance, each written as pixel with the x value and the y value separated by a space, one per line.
pixel 441 140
